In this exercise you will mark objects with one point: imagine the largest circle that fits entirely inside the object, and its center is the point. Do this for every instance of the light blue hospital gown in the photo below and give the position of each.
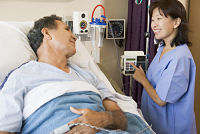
(173, 78)
(33, 74)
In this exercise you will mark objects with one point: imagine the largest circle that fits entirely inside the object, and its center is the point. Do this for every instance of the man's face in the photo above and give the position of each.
(63, 40)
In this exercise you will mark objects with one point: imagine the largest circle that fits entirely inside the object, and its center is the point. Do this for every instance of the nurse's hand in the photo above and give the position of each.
(139, 74)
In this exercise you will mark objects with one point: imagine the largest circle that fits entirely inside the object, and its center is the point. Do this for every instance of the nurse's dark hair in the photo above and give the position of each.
(35, 35)
(173, 9)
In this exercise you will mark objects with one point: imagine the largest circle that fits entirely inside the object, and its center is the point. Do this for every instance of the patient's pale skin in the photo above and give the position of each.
(57, 46)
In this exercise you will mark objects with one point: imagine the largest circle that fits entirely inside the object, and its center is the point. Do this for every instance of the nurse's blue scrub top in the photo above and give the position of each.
(173, 78)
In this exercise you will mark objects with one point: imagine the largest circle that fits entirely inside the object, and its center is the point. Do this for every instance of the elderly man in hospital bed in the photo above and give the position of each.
(52, 94)
(54, 43)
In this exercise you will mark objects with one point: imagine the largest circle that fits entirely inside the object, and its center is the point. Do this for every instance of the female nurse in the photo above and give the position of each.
(168, 95)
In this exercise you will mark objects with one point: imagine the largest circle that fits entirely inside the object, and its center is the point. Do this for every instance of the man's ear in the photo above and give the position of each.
(177, 22)
(45, 32)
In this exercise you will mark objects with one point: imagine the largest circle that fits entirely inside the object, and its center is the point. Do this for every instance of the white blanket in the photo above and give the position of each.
(46, 92)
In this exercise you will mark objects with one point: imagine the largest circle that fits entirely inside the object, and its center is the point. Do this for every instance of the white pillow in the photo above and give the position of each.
(82, 56)
(15, 49)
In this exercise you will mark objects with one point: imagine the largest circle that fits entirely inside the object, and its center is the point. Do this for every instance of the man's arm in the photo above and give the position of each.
(117, 119)
(113, 118)
(11, 102)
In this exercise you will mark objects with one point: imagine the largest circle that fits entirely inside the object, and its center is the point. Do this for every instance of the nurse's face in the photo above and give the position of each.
(164, 28)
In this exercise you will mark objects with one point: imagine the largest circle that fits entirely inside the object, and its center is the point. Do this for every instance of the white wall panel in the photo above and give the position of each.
(23, 10)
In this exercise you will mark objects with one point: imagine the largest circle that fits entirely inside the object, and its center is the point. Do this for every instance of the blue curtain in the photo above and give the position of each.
(136, 41)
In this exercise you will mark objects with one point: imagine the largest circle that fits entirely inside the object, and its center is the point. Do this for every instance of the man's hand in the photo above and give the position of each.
(112, 118)
(98, 119)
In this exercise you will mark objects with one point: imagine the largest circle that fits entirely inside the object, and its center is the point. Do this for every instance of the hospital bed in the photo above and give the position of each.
(15, 50)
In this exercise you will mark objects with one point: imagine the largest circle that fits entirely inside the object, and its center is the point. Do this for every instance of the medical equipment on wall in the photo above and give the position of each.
(80, 22)
(97, 28)
(118, 29)
(93, 32)
(97, 31)
(136, 57)
(69, 21)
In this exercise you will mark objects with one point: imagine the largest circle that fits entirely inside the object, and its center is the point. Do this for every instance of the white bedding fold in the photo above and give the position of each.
(126, 103)
(46, 92)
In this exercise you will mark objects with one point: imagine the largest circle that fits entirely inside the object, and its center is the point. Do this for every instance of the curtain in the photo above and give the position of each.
(136, 41)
